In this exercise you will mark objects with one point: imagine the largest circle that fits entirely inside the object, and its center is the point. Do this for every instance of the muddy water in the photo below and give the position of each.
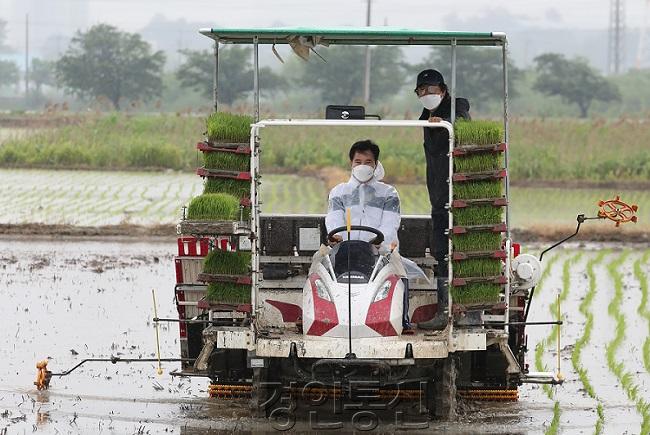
(66, 301)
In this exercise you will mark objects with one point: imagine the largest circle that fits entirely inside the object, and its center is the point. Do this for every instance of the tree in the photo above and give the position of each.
(9, 73)
(42, 73)
(106, 62)
(235, 73)
(340, 78)
(573, 80)
(479, 72)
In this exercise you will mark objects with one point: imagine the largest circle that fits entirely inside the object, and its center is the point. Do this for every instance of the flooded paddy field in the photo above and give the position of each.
(70, 299)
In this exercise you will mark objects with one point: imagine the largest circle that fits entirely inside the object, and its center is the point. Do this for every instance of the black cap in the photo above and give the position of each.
(429, 77)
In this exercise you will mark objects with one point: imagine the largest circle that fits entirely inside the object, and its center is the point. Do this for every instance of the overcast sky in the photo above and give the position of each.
(63, 16)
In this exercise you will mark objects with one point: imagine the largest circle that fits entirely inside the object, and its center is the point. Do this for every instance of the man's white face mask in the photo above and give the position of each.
(363, 173)
(431, 101)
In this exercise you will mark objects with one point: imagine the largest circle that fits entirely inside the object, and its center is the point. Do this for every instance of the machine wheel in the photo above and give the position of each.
(445, 402)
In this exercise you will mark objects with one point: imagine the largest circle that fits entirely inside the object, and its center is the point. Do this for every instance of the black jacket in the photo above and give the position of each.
(436, 140)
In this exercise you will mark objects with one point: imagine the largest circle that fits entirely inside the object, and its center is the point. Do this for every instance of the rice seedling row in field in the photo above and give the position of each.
(585, 309)
(643, 305)
(540, 347)
(617, 367)
(554, 427)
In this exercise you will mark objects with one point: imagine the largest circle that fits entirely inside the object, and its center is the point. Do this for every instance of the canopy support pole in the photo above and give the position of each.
(453, 81)
(215, 76)
(256, 77)
(505, 130)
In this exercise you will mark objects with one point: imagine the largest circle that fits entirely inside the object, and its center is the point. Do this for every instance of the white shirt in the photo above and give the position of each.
(373, 204)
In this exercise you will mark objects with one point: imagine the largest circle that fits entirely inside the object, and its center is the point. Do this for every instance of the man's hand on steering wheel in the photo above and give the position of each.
(335, 240)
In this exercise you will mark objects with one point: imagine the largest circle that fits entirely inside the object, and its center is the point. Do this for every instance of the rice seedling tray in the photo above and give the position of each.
(478, 176)
(226, 228)
(205, 304)
(495, 202)
(463, 150)
(218, 173)
(459, 256)
(498, 228)
(235, 279)
(498, 279)
(238, 147)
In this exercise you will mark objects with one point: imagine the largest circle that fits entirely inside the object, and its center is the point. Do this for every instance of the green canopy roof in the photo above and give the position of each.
(354, 36)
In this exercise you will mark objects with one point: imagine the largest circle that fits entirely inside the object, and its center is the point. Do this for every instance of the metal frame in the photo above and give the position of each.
(255, 175)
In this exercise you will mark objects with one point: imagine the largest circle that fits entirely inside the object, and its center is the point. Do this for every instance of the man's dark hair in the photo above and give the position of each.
(363, 146)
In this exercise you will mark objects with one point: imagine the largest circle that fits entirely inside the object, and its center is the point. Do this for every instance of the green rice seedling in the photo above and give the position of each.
(477, 267)
(585, 309)
(227, 262)
(213, 206)
(478, 132)
(476, 293)
(618, 368)
(228, 127)
(643, 305)
(478, 189)
(554, 427)
(479, 162)
(228, 293)
(478, 215)
(226, 161)
(237, 188)
(477, 241)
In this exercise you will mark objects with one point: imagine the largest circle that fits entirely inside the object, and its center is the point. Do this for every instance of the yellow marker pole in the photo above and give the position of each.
(155, 315)
(559, 374)
(348, 221)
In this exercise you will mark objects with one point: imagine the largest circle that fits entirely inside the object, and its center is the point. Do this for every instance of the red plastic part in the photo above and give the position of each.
(325, 316)
(193, 247)
(202, 146)
(234, 175)
(182, 326)
(290, 312)
(378, 317)
(516, 249)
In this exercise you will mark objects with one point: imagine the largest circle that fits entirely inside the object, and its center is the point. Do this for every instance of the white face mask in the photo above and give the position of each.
(431, 101)
(363, 173)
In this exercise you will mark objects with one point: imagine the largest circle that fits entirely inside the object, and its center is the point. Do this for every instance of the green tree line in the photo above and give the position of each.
(120, 67)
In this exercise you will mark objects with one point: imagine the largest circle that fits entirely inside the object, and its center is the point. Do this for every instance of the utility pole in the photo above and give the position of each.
(642, 51)
(616, 47)
(26, 57)
(366, 80)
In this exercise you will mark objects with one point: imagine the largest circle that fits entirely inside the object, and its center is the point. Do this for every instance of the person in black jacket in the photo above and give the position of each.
(432, 92)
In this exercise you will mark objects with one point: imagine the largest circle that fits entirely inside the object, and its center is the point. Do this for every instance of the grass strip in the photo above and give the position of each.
(643, 306)
(228, 127)
(478, 189)
(228, 293)
(478, 215)
(476, 293)
(478, 162)
(585, 309)
(226, 161)
(478, 132)
(237, 188)
(223, 262)
(477, 267)
(477, 241)
(625, 378)
(214, 206)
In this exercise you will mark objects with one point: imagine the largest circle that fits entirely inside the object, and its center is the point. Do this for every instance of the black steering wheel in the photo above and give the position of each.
(378, 240)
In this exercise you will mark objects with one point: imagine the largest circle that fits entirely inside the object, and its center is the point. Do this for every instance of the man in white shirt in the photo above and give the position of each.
(371, 202)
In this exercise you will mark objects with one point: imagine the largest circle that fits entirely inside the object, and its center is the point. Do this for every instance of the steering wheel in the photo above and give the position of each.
(379, 239)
